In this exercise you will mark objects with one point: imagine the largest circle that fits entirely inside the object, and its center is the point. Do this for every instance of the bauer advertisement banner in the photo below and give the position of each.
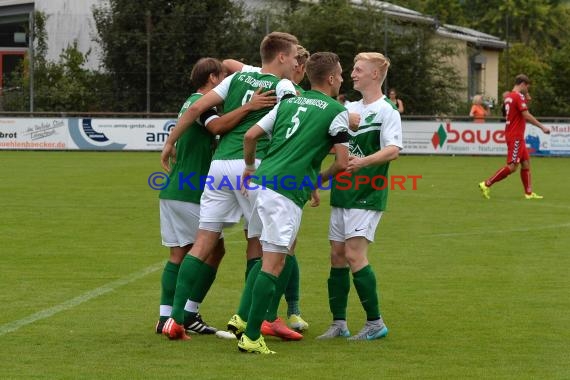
(419, 137)
(449, 137)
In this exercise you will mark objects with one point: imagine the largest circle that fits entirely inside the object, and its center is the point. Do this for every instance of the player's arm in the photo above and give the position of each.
(391, 140)
(250, 145)
(232, 66)
(340, 163)
(223, 124)
(387, 154)
(184, 122)
(338, 133)
(285, 89)
(531, 119)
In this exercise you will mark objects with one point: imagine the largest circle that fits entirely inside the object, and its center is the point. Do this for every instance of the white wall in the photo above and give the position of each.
(69, 20)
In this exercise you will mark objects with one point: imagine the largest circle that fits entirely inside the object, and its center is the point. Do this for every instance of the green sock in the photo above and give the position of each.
(190, 269)
(292, 289)
(250, 264)
(365, 284)
(339, 286)
(245, 300)
(263, 291)
(201, 287)
(168, 282)
(203, 283)
(280, 286)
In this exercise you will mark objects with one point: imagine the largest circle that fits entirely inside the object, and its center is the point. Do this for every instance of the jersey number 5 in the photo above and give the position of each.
(295, 120)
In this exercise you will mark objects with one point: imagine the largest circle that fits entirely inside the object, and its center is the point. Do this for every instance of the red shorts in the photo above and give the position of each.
(517, 152)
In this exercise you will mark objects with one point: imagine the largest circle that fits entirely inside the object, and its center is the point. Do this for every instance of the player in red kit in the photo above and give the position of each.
(517, 115)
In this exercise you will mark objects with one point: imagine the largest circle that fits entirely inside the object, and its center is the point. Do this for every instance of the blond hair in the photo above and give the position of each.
(302, 55)
(381, 62)
(478, 99)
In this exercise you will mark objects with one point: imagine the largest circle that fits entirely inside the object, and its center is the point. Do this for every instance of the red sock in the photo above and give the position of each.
(525, 178)
(501, 174)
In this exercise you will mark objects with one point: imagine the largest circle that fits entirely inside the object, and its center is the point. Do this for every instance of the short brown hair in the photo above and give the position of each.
(521, 78)
(275, 43)
(320, 65)
(302, 55)
(202, 70)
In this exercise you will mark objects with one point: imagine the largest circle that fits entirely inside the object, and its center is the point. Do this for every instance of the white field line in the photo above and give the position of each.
(69, 304)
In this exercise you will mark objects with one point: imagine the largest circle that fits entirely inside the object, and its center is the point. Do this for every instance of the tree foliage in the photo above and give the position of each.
(179, 33)
(62, 86)
(537, 33)
(414, 59)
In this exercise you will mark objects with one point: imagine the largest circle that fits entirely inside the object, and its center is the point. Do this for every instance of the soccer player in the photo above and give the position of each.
(303, 54)
(180, 203)
(222, 203)
(357, 209)
(516, 114)
(273, 324)
(303, 130)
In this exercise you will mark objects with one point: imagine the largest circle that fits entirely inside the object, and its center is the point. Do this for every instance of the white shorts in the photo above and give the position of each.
(178, 222)
(346, 223)
(275, 219)
(222, 200)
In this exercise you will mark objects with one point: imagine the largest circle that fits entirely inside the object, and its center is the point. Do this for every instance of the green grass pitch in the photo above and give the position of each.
(470, 288)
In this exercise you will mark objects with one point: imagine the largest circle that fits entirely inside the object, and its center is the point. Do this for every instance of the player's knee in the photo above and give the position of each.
(356, 260)
(217, 255)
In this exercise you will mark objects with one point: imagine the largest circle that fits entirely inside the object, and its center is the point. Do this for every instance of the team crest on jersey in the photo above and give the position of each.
(369, 118)
(356, 151)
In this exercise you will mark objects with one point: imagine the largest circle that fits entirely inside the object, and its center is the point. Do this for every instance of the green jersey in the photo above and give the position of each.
(301, 131)
(380, 126)
(194, 150)
(236, 90)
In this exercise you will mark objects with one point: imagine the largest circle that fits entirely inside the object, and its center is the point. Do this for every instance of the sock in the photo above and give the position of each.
(250, 264)
(365, 284)
(245, 300)
(203, 283)
(292, 289)
(280, 286)
(525, 178)
(263, 292)
(339, 286)
(191, 307)
(190, 269)
(168, 287)
(201, 287)
(501, 174)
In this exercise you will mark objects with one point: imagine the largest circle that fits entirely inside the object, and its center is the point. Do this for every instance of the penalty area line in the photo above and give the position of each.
(69, 304)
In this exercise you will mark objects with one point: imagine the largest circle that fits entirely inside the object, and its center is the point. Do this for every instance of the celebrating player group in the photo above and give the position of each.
(273, 138)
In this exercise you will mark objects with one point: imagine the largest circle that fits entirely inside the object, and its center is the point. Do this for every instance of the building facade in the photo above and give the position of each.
(67, 21)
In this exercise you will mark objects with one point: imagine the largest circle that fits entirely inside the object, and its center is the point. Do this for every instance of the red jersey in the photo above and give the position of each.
(515, 105)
